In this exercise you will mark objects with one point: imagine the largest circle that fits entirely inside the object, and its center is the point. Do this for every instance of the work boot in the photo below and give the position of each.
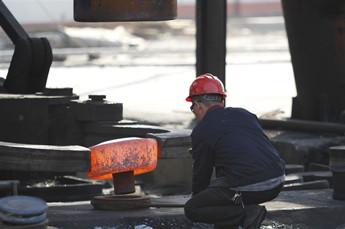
(254, 216)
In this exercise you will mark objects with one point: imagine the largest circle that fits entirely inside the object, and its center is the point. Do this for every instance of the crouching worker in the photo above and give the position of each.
(248, 169)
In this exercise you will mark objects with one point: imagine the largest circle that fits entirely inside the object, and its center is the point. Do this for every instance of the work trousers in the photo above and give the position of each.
(215, 205)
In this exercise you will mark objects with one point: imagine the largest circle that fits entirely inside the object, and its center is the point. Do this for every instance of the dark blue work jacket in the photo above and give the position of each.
(232, 141)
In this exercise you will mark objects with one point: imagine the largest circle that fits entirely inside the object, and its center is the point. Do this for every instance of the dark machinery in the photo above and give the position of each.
(315, 32)
(37, 122)
(316, 36)
(31, 60)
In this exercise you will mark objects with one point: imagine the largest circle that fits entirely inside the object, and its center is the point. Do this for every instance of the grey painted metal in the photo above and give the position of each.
(22, 206)
(211, 37)
(45, 158)
(173, 144)
(18, 220)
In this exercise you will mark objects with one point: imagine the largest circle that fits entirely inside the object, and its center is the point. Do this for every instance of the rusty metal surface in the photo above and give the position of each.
(124, 182)
(121, 155)
(124, 10)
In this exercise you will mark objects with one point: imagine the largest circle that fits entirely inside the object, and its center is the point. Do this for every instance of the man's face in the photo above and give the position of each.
(198, 109)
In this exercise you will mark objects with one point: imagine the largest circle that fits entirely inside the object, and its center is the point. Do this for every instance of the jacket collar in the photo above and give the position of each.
(213, 108)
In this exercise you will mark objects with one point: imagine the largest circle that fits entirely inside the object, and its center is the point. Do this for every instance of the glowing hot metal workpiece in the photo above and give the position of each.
(121, 159)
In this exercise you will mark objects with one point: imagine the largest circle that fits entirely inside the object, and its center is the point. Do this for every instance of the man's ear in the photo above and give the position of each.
(197, 106)
(201, 106)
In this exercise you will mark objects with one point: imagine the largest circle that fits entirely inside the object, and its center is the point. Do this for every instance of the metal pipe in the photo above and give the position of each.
(124, 182)
(303, 125)
(211, 37)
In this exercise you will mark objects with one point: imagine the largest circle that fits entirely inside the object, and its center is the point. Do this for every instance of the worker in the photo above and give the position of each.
(229, 141)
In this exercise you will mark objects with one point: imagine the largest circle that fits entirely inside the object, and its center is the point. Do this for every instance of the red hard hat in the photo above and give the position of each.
(206, 84)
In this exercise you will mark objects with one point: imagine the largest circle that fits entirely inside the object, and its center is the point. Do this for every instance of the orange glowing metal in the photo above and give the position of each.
(122, 155)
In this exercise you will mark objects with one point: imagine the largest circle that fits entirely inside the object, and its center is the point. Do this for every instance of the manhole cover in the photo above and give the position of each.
(22, 205)
(22, 210)
(20, 220)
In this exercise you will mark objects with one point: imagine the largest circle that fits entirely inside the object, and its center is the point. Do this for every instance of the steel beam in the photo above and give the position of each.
(316, 35)
(211, 37)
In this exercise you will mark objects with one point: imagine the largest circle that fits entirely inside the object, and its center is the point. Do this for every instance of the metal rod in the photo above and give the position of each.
(211, 37)
(303, 125)
(124, 182)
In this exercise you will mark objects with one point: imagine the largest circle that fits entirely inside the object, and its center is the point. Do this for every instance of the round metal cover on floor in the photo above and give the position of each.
(20, 220)
(22, 206)
(120, 202)
(41, 225)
